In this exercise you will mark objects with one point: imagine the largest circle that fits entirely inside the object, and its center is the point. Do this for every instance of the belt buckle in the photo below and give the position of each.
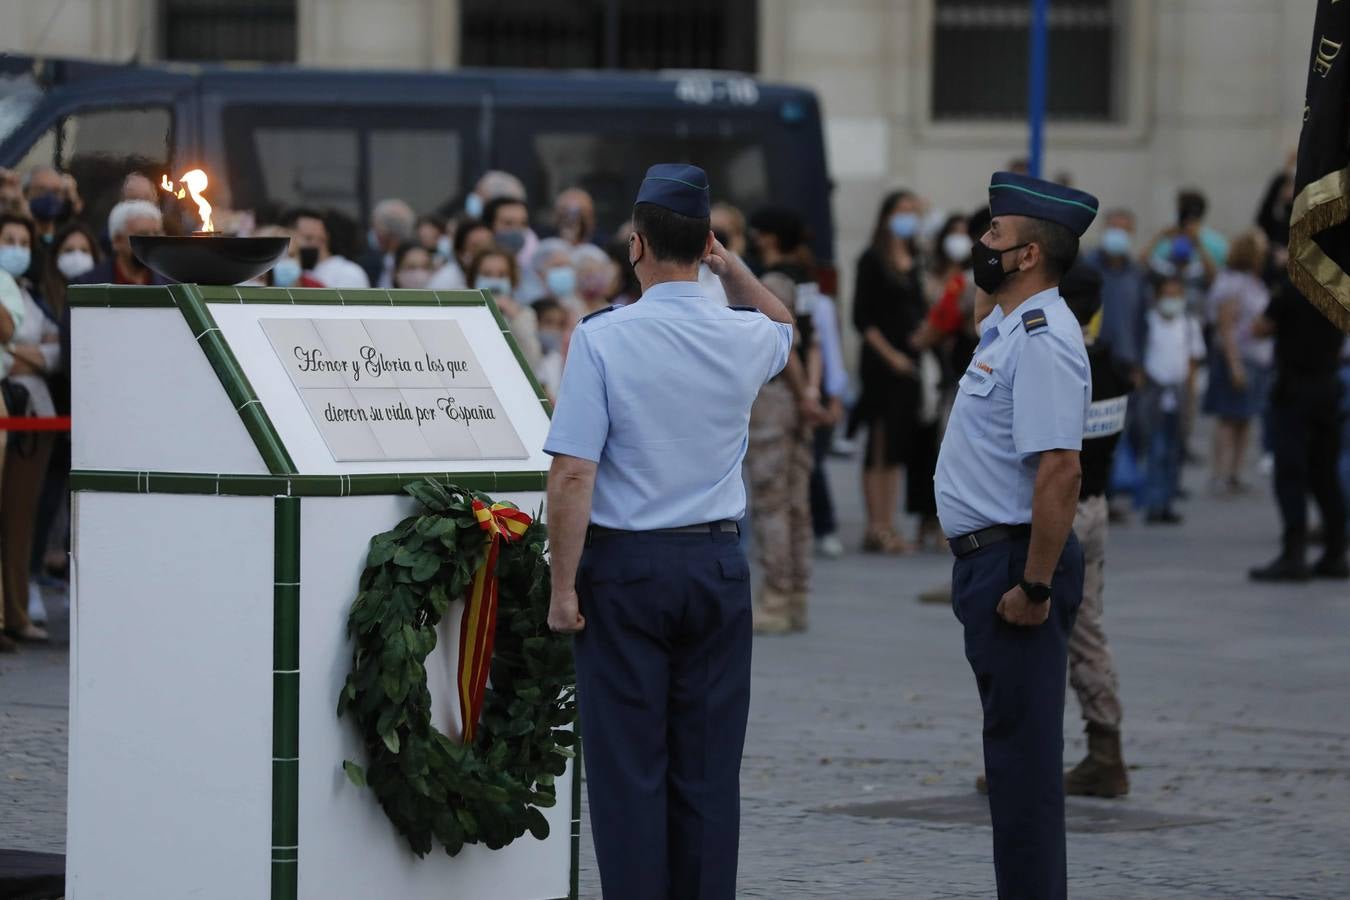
(974, 541)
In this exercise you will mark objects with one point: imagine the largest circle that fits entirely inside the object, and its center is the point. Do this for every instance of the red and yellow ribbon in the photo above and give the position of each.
(478, 629)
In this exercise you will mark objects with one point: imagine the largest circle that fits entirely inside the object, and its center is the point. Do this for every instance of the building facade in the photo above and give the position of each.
(1146, 96)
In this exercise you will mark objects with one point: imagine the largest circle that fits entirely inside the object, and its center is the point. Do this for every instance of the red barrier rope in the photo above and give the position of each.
(35, 423)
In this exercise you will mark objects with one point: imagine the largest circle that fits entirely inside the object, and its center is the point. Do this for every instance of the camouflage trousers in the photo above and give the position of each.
(778, 467)
(1091, 672)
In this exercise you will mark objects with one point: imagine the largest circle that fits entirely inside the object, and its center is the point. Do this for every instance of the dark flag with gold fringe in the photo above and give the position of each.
(1319, 233)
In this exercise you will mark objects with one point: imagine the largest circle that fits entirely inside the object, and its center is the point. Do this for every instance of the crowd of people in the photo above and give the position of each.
(1184, 315)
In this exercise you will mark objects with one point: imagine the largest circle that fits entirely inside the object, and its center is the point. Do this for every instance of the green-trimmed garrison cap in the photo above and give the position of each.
(678, 188)
(1020, 195)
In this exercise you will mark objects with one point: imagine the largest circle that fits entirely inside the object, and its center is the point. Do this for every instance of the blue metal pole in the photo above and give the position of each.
(1036, 79)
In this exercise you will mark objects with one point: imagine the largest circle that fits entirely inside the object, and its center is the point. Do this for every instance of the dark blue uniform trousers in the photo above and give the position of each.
(1020, 673)
(663, 686)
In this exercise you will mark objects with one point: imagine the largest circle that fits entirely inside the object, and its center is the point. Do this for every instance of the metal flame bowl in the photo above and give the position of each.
(209, 258)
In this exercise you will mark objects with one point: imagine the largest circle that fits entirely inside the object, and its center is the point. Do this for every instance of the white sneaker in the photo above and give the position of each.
(829, 546)
(843, 447)
(37, 609)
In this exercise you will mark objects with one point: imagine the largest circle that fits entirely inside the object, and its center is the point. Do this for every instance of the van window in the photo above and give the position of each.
(317, 167)
(42, 153)
(19, 96)
(421, 167)
(346, 159)
(611, 166)
(101, 147)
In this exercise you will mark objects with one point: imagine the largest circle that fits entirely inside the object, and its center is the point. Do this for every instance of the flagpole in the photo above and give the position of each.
(1036, 83)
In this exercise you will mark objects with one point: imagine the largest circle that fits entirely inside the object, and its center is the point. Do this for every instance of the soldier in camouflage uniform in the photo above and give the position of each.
(778, 468)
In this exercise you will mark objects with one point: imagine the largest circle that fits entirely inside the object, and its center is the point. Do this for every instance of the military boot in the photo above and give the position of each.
(796, 610)
(771, 613)
(1102, 771)
(1290, 565)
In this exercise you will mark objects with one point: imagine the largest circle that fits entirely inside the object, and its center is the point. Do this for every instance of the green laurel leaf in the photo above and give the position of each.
(435, 788)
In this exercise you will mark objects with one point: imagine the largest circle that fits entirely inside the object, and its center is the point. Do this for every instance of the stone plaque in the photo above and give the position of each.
(394, 389)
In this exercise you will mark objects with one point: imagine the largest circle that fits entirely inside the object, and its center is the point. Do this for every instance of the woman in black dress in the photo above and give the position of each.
(888, 306)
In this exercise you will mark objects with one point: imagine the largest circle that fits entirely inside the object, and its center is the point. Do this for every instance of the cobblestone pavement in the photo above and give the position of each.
(1235, 715)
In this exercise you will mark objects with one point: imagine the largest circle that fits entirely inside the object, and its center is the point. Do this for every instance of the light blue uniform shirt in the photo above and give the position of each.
(1024, 392)
(658, 393)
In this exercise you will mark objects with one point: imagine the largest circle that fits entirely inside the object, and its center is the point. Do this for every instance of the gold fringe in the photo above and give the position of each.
(1329, 188)
(1320, 296)
(1327, 288)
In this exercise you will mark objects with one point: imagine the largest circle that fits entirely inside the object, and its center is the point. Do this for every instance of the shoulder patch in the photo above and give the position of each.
(753, 309)
(599, 312)
(1033, 320)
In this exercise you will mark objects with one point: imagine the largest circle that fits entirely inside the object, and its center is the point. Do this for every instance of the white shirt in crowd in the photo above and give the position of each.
(448, 277)
(34, 328)
(825, 320)
(12, 299)
(341, 272)
(1173, 344)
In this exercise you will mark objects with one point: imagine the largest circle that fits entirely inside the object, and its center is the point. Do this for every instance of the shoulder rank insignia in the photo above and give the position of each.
(744, 308)
(1033, 320)
(598, 312)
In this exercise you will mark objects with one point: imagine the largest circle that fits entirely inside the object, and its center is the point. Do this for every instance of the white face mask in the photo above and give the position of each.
(957, 246)
(1171, 307)
(74, 263)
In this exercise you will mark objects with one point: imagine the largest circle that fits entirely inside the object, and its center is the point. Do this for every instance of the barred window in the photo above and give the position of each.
(613, 34)
(260, 30)
(980, 60)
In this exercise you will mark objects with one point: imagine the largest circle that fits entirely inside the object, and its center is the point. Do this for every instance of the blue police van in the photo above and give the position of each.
(285, 136)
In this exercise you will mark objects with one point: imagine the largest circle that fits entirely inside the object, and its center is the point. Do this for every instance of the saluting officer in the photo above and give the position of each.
(644, 495)
(1007, 489)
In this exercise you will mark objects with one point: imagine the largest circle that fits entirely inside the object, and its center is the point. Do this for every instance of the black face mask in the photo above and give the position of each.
(49, 207)
(988, 265)
(309, 258)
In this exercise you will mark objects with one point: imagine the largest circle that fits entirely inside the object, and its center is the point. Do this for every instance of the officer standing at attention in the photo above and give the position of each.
(1007, 489)
(644, 495)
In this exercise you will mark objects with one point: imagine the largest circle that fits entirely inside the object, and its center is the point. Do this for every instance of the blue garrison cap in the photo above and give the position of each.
(1020, 195)
(678, 188)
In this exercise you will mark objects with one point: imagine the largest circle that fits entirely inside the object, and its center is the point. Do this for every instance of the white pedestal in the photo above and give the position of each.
(206, 755)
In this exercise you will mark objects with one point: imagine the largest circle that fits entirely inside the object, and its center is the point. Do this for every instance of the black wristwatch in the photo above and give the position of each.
(1035, 591)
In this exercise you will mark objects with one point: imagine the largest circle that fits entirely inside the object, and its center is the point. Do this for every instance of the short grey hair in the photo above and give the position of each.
(127, 210)
(393, 217)
(547, 249)
(496, 183)
(589, 254)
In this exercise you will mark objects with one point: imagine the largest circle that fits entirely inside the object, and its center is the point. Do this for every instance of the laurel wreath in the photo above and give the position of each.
(430, 785)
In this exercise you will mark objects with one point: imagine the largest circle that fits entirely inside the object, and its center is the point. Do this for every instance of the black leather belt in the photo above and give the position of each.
(967, 544)
(722, 526)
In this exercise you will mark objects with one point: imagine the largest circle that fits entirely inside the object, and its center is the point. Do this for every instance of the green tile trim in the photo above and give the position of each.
(295, 485)
(285, 698)
(111, 482)
(576, 817)
(525, 367)
(119, 296)
(332, 297)
(231, 374)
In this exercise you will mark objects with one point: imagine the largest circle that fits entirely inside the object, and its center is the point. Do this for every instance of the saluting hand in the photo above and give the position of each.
(1017, 609)
(721, 260)
(564, 612)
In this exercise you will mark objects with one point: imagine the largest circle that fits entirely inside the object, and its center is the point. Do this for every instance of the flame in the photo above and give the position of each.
(195, 182)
